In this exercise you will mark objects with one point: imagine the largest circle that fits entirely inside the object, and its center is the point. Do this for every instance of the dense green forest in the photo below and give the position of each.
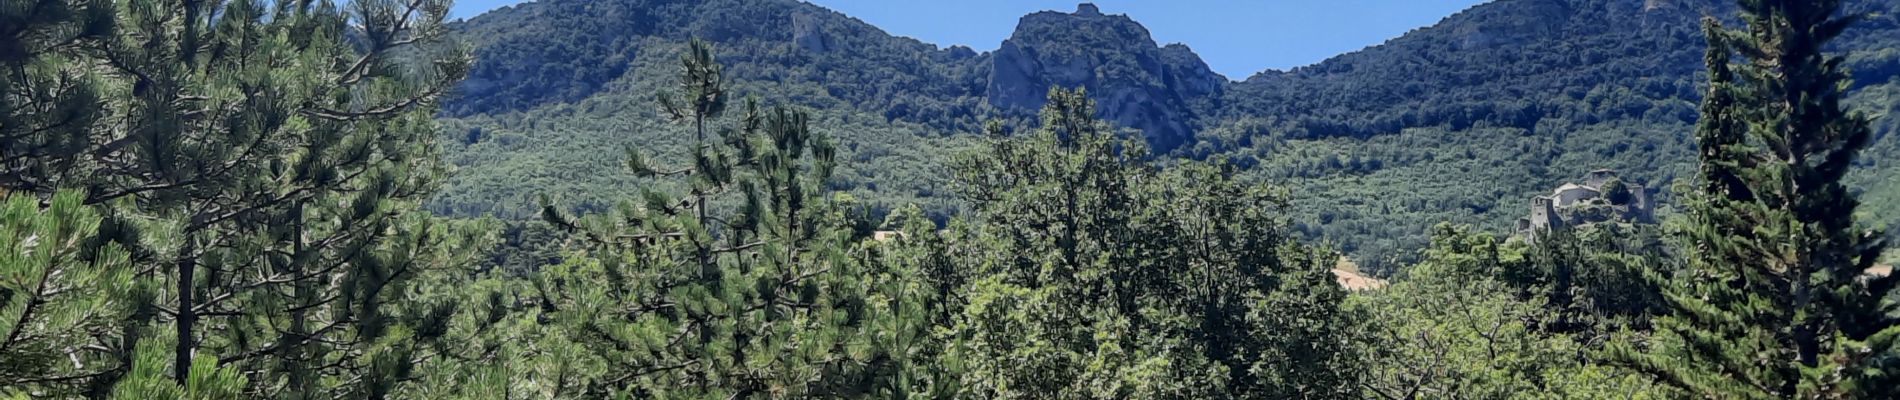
(1462, 121)
(297, 199)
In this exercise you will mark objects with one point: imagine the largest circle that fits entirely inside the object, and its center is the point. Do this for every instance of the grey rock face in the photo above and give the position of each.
(1188, 75)
(1087, 10)
(1136, 84)
(1512, 23)
(807, 33)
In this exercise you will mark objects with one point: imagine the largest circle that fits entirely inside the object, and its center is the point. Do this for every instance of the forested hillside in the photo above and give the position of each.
(561, 86)
(1464, 120)
(1468, 119)
(232, 199)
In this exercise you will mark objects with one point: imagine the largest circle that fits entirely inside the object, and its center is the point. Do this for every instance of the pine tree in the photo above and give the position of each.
(1774, 303)
(48, 96)
(150, 375)
(264, 160)
(750, 283)
(1096, 275)
(59, 288)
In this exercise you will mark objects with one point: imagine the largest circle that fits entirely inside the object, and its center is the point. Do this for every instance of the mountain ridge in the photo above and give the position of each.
(1509, 96)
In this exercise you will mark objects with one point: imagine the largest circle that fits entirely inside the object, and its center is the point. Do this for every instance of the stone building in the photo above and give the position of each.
(1585, 202)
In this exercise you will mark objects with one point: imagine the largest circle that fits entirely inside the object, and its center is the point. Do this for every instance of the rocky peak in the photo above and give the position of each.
(1134, 82)
(1087, 10)
(1189, 76)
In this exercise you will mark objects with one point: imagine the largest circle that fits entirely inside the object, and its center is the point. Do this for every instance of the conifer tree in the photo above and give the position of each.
(1773, 302)
(263, 160)
(59, 288)
(750, 283)
(1096, 275)
(150, 375)
(48, 96)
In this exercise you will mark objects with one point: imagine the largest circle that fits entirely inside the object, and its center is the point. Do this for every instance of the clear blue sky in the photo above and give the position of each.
(1237, 38)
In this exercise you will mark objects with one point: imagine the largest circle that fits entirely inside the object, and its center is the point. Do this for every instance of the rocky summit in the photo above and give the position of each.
(1158, 90)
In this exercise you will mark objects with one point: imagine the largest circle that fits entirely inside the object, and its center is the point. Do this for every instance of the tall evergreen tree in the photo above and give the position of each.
(262, 159)
(1774, 303)
(1096, 275)
(750, 283)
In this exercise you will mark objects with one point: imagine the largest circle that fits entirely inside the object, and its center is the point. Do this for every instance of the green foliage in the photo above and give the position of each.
(494, 347)
(224, 199)
(1451, 327)
(1463, 121)
(150, 376)
(559, 80)
(780, 293)
(539, 54)
(1875, 169)
(1096, 275)
(1617, 192)
(1593, 280)
(60, 287)
(262, 163)
(1774, 303)
(772, 297)
(1467, 120)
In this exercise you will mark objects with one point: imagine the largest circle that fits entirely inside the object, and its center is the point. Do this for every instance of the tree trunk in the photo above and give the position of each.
(187, 262)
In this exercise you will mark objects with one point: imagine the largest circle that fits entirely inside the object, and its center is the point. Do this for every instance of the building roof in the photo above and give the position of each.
(1355, 282)
(885, 236)
(1569, 187)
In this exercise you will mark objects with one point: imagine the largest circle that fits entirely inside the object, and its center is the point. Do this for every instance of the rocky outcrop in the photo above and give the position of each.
(1190, 77)
(807, 33)
(1136, 84)
(1088, 10)
(1512, 23)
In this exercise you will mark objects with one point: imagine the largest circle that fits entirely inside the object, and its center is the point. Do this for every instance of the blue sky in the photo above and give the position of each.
(1237, 38)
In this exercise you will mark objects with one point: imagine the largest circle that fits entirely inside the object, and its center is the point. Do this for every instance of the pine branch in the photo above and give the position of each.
(379, 112)
(56, 379)
(103, 197)
(735, 249)
(357, 69)
(273, 348)
(201, 221)
(649, 371)
(33, 302)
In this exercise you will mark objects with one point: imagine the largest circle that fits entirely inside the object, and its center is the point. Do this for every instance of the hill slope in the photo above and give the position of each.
(1461, 121)
(1466, 120)
(562, 85)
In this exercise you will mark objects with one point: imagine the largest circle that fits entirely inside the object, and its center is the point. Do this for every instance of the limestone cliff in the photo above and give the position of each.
(1161, 91)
